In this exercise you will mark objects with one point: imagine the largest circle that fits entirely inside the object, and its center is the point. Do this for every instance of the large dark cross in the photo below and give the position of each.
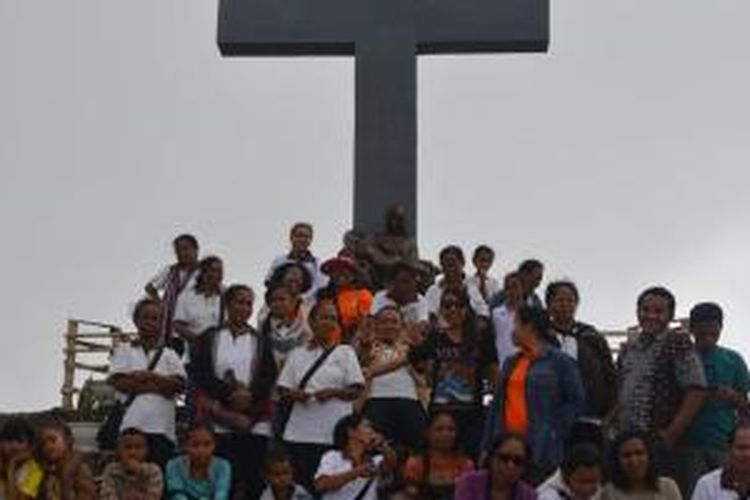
(385, 37)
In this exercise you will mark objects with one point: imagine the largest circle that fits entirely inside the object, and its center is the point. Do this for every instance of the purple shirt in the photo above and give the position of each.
(474, 485)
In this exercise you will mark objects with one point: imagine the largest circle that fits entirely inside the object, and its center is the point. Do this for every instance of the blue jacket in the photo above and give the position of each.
(554, 397)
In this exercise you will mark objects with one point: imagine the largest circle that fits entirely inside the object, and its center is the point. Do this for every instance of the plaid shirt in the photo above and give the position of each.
(654, 373)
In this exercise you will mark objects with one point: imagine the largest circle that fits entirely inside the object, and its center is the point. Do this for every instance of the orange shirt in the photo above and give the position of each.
(353, 305)
(516, 412)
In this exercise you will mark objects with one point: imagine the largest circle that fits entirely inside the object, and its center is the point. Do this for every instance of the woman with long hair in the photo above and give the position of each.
(433, 473)
(634, 473)
(459, 360)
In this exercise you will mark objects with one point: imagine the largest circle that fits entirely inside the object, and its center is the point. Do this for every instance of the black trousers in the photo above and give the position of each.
(305, 460)
(246, 453)
(160, 449)
(400, 420)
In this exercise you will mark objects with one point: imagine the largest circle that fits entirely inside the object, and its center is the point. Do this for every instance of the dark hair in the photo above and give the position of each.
(301, 225)
(706, 312)
(483, 249)
(343, 427)
(556, 286)
(742, 425)
(17, 429)
(234, 290)
(470, 339)
(277, 276)
(187, 238)
(315, 310)
(536, 317)
(505, 437)
(403, 267)
(661, 292)
(200, 425)
(141, 305)
(203, 267)
(432, 418)
(454, 250)
(58, 425)
(513, 275)
(129, 432)
(617, 476)
(580, 455)
(529, 265)
(273, 288)
(274, 456)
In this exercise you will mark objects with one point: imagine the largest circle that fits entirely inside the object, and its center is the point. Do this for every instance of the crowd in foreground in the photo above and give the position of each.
(369, 375)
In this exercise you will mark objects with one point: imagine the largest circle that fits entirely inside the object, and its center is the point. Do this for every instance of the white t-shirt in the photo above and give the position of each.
(709, 488)
(334, 462)
(413, 312)
(237, 354)
(197, 310)
(313, 421)
(395, 384)
(491, 284)
(151, 413)
(503, 323)
(435, 294)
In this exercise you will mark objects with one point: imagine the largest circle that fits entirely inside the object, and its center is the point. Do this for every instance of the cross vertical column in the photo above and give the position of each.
(385, 163)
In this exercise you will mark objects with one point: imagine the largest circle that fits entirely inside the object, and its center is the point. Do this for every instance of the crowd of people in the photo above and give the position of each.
(374, 374)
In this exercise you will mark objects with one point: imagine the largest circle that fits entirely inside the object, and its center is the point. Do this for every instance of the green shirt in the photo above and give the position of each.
(712, 427)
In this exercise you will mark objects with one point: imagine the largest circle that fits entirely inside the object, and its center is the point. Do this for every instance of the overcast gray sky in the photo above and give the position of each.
(620, 159)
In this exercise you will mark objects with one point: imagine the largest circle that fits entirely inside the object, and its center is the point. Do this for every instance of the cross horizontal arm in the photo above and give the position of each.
(301, 27)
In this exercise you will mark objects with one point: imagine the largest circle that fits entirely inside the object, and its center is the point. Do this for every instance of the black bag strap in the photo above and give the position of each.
(314, 367)
(364, 489)
(151, 365)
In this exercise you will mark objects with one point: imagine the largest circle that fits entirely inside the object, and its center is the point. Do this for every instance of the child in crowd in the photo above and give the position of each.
(130, 477)
(21, 473)
(279, 475)
(65, 475)
(198, 473)
(488, 286)
(433, 474)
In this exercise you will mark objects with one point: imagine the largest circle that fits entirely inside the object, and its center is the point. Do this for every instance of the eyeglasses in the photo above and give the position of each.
(517, 460)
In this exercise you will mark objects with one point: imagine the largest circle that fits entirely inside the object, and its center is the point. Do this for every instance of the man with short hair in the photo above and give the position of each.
(661, 381)
(579, 476)
(726, 401)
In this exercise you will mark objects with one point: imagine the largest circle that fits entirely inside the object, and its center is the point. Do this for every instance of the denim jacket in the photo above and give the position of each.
(554, 398)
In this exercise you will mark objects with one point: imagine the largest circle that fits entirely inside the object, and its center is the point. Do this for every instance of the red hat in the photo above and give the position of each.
(339, 263)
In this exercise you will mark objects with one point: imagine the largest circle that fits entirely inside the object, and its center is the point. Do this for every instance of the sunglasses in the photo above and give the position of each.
(517, 460)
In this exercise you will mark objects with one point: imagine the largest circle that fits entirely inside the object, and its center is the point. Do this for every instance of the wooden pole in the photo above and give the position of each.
(68, 387)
